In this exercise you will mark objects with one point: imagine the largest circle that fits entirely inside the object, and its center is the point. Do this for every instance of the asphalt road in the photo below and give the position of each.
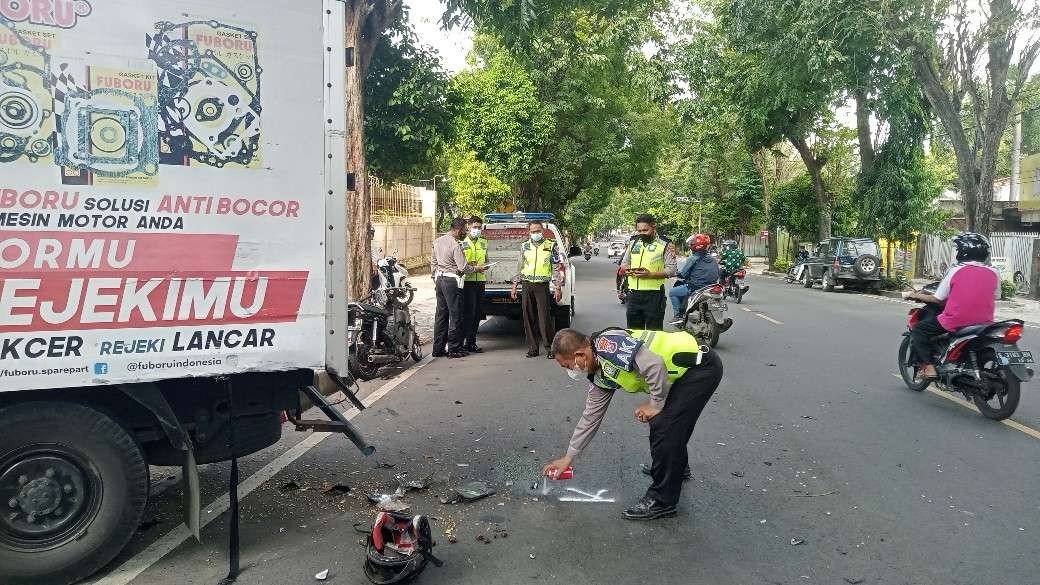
(813, 464)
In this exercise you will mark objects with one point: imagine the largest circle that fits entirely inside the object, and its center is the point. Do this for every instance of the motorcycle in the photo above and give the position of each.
(704, 314)
(982, 362)
(734, 286)
(380, 330)
(595, 251)
(588, 256)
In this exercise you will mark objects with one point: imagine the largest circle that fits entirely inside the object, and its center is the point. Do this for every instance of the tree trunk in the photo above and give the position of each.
(815, 168)
(760, 158)
(359, 205)
(866, 146)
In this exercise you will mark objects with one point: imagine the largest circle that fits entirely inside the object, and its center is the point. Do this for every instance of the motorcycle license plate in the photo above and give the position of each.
(1015, 357)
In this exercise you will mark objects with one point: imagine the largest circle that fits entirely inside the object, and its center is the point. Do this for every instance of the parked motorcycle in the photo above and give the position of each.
(380, 330)
(734, 286)
(704, 315)
(982, 362)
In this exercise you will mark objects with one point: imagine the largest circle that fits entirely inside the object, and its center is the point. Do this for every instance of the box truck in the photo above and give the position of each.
(172, 253)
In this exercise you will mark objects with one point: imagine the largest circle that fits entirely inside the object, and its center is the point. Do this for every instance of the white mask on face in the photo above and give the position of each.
(576, 372)
(474, 233)
(536, 237)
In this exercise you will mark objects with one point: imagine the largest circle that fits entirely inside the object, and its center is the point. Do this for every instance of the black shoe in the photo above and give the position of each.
(687, 476)
(473, 348)
(532, 354)
(439, 353)
(549, 355)
(456, 354)
(649, 509)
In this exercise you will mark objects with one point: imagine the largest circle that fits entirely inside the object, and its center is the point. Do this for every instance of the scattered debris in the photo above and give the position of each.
(531, 555)
(289, 486)
(384, 465)
(458, 402)
(853, 580)
(805, 416)
(721, 444)
(388, 502)
(452, 539)
(415, 484)
(762, 521)
(737, 473)
(771, 365)
(767, 463)
(797, 541)
(281, 530)
(462, 464)
(475, 490)
(322, 575)
(335, 489)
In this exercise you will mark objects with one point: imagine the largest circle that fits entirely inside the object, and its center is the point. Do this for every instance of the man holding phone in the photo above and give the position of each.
(648, 261)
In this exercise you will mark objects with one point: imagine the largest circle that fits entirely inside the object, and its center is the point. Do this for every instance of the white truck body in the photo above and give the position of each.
(172, 254)
(176, 224)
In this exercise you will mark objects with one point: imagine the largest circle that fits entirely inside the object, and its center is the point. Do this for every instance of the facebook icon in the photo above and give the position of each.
(100, 369)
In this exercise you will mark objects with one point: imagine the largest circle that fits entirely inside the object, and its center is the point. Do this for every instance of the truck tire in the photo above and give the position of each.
(867, 265)
(563, 317)
(83, 474)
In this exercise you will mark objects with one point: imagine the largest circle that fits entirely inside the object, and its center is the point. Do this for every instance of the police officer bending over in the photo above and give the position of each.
(679, 379)
(648, 261)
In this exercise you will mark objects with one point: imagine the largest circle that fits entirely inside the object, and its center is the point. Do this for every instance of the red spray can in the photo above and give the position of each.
(565, 474)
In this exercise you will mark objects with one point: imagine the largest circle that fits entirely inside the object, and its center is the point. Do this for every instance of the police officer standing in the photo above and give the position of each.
(538, 266)
(447, 267)
(474, 246)
(680, 378)
(648, 261)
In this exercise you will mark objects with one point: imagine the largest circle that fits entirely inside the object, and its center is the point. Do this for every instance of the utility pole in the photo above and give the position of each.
(1016, 160)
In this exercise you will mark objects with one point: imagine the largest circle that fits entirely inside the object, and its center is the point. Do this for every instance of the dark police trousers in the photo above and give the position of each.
(537, 315)
(472, 296)
(645, 309)
(447, 323)
(670, 430)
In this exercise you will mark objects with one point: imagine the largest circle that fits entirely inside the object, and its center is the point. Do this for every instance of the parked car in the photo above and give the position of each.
(616, 249)
(505, 232)
(854, 263)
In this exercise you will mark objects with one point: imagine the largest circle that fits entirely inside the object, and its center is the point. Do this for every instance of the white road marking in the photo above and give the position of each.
(1007, 422)
(770, 319)
(745, 309)
(139, 563)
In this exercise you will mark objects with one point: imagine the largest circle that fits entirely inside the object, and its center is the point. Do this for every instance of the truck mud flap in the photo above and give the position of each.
(149, 396)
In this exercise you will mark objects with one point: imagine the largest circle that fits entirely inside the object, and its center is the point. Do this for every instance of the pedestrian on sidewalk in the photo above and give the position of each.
(539, 265)
(648, 261)
(474, 246)
(680, 377)
(447, 267)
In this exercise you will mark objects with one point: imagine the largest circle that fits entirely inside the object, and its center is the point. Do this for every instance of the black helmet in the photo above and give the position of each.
(971, 247)
(399, 547)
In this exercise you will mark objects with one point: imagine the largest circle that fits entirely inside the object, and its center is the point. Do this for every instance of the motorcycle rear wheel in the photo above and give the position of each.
(1006, 401)
(909, 372)
(416, 351)
(357, 361)
(738, 293)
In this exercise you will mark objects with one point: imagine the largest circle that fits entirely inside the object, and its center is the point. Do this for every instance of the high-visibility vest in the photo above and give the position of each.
(537, 261)
(649, 256)
(664, 344)
(476, 253)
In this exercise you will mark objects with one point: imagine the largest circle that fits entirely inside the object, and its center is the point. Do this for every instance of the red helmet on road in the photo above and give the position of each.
(700, 242)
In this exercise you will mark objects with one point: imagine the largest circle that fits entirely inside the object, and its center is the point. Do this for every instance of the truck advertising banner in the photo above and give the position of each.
(162, 190)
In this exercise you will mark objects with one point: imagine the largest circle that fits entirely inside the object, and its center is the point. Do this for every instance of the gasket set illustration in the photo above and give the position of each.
(193, 101)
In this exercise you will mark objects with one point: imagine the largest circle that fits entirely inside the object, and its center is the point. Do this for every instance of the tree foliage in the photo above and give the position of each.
(409, 110)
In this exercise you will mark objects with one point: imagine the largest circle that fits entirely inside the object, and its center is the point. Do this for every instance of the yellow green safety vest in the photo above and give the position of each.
(651, 257)
(537, 261)
(664, 344)
(476, 253)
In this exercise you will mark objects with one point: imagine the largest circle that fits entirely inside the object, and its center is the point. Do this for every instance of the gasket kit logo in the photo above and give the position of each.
(59, 13)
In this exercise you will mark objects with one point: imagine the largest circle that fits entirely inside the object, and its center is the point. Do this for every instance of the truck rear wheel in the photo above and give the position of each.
(73, 486)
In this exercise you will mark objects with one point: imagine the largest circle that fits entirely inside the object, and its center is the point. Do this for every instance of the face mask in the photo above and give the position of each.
(474, 233)
(576, 372)
(536, 237)
(646, 238)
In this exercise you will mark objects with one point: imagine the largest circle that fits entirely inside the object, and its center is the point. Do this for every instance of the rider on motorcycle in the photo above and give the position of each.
(732, 260)
(969, 290)
(699, 271)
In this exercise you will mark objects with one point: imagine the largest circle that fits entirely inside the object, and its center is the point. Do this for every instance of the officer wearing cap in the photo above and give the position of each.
(648, 261)
(680, 378)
